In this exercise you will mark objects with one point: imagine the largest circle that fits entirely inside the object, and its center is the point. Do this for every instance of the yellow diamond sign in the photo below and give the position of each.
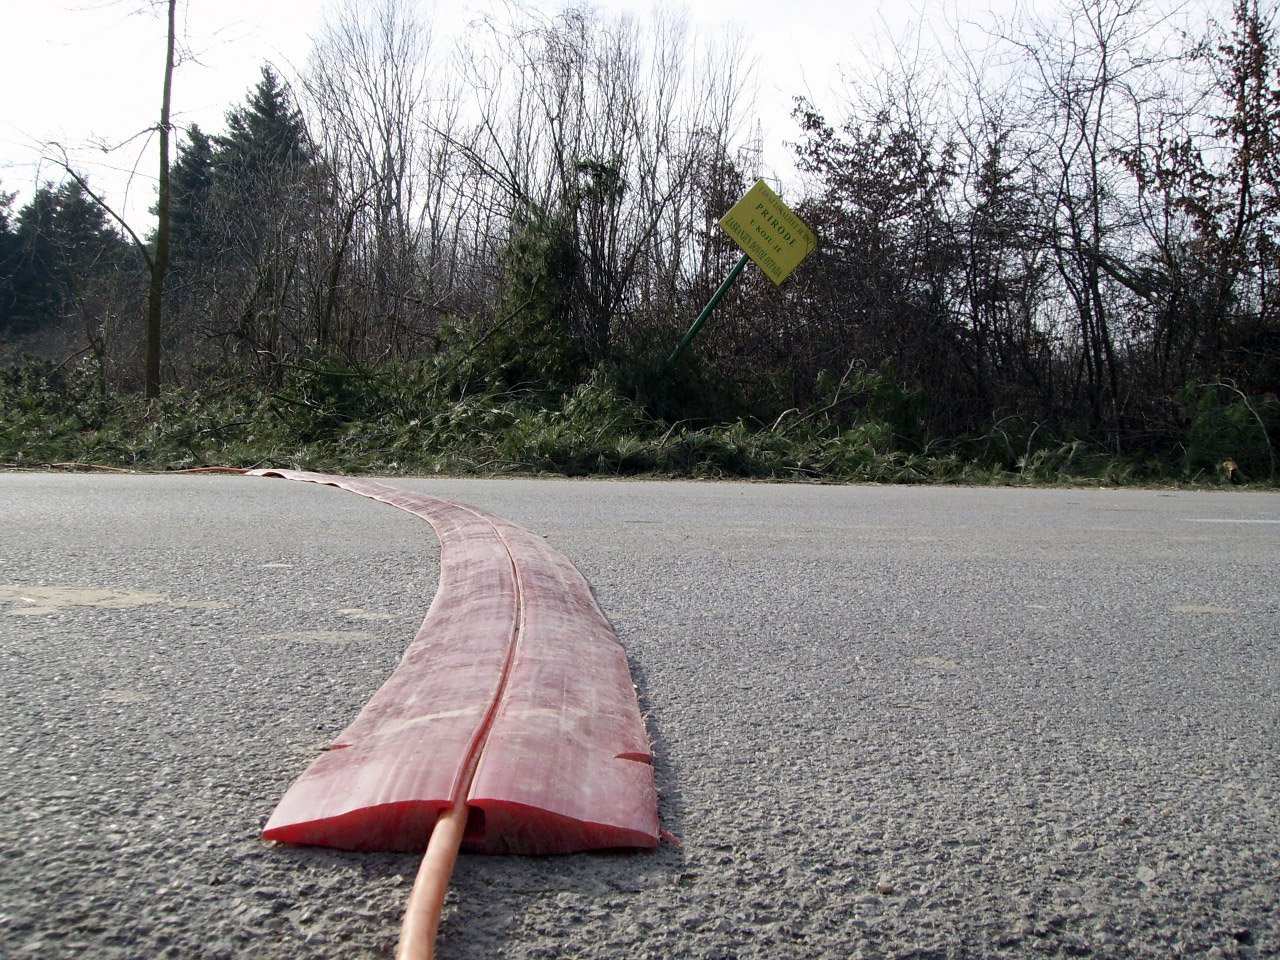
(769, 232)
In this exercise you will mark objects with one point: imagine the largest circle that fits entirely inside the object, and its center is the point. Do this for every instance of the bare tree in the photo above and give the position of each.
(368, 84)
(158, 261)
(156, 257)
(1089, 73)
(601, 127)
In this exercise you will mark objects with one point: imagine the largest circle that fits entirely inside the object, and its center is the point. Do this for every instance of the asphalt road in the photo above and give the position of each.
(891, 722)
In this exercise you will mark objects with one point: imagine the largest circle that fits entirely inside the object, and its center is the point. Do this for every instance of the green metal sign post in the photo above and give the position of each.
(769, 232)
(709, 308)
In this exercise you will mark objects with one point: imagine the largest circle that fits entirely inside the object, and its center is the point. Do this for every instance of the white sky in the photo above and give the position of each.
(81, 72)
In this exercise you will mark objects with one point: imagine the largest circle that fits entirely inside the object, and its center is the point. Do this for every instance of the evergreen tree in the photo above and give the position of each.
(38, 269)
(262, 193)
(194, 239)
(192, 200)
(8, 260)
(63, 240)
(264, 155)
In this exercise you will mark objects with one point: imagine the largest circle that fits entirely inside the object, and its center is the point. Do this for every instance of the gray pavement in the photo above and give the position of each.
(891, 722)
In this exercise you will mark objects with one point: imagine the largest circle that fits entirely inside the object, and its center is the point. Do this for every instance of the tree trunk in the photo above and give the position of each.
(160, 262)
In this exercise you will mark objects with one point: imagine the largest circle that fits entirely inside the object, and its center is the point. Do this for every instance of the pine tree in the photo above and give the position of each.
(262, 191)
(8, 260)
(63, 240)
(264, 155)
(192, 180)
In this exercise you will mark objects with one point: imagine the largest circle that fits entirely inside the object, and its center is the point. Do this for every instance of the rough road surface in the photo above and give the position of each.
(891, 722)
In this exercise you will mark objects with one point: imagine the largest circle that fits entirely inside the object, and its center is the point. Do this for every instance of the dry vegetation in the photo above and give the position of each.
(1054, 257)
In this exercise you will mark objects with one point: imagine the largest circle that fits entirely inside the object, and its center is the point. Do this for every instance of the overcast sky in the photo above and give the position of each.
(80, 72)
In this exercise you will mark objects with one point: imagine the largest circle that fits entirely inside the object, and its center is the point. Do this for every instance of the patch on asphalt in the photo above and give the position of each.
(41, 601)
(327, 638)
(356, 613)
(38, 601)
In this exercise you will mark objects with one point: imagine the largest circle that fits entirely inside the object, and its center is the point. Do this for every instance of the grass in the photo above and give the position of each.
(405, 420)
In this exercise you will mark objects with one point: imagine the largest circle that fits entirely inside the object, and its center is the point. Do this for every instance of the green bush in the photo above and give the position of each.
(1229, 433)
(421, 418)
